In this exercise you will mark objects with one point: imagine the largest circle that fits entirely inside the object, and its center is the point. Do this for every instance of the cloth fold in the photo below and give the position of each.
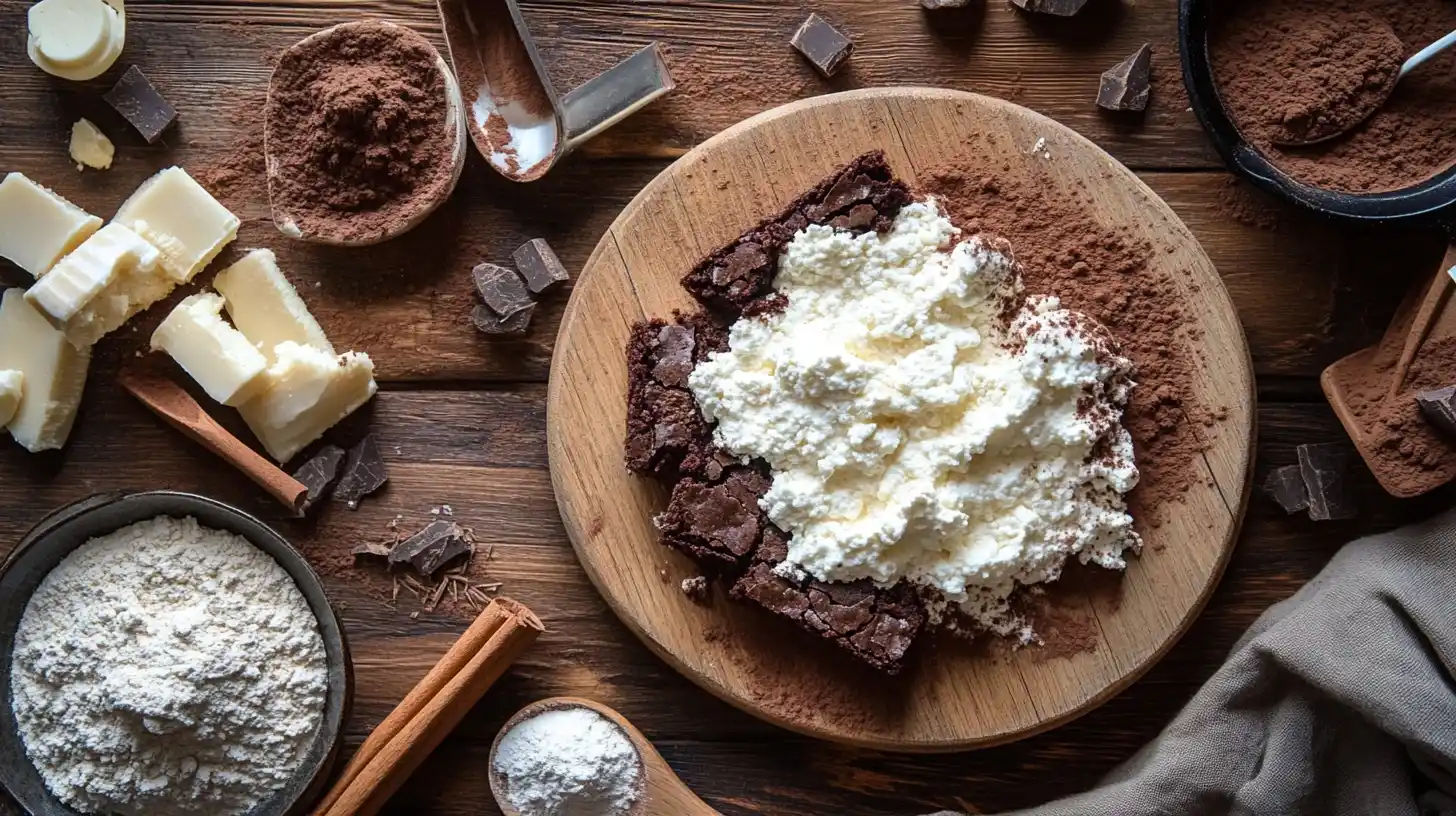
(1337, 702)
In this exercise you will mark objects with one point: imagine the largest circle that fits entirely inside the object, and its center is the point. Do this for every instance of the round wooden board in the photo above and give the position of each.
(950, 698)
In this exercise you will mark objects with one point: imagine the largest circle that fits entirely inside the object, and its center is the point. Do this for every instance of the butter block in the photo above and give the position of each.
(38, 227)
(309, 391)
(12, 387)
(89, 269)
(90, 147)
(54, 372)
(182, 219)
(266, 308)
(213, 353)
(75, 39)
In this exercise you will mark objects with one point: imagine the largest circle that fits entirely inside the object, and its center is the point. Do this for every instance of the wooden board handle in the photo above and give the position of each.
(169, 401)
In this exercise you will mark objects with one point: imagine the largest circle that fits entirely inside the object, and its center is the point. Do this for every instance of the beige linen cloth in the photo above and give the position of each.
(1337, 702)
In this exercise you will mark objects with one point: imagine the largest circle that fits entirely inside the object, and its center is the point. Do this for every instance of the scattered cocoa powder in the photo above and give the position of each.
(1102, 273)
(356, 124)
(1248, 206)
(1278, 63)
(1408, 453)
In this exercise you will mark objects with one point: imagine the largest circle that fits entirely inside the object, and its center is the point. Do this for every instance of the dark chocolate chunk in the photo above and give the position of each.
(489, 322)
(539, 265)
(822, 44)
(746, 259)
(502, 289)
(1325, 468)
(137, 100)
(936, 5)
(1285, 486)
(1127, 85)
(364, 473)
(1439, 408)
(318, 474)
(439, 543)
(1059, 8)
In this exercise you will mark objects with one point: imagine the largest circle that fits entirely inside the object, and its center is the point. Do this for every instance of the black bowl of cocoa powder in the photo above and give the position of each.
(1247, 63)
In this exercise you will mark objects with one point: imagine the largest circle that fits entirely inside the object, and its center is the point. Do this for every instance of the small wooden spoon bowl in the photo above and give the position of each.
(662, 794)
(454, 125)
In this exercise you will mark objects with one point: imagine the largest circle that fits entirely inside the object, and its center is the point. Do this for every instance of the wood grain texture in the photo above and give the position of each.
(949, 699)
(471, 431)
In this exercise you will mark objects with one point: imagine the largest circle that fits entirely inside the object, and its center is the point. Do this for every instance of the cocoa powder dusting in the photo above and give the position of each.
(1285, 68)
(357, 127)
(1104, 274)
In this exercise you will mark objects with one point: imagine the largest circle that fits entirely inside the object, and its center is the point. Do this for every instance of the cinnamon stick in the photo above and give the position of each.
(397, 747)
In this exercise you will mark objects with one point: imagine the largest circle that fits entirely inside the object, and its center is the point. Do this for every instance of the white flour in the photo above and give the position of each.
(166, 669)
(569, 762)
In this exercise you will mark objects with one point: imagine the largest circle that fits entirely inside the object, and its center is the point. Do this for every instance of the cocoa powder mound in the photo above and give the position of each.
(1104, 274)
(1411, 456)
(357, 127)
(1281, 64)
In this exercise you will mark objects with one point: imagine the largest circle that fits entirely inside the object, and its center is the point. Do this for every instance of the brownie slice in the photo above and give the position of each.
(718, 525)
(876, 625)
(738, 278)
(667, 436)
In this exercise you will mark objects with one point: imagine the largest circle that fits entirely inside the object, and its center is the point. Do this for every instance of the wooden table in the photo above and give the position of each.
(462, 419)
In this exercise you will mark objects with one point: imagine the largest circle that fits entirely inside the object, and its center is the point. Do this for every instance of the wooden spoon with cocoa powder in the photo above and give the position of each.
(1352, 92)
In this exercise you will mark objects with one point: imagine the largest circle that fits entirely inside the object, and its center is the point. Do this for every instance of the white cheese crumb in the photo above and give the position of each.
(912, 433)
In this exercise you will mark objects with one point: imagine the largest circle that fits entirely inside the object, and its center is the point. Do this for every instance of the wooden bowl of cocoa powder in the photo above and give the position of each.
(364, 134)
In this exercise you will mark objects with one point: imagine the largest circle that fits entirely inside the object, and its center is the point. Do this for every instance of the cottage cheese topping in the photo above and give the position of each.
(915, 433)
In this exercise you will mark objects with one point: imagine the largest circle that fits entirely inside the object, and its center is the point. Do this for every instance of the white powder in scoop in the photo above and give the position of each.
(167, 669)
(569, 762)
(914, 432)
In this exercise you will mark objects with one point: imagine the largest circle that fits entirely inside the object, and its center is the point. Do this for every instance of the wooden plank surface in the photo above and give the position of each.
(462, 419)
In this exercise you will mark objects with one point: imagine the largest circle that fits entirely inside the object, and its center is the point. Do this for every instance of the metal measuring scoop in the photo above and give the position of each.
(517, 119)
(1317, 129)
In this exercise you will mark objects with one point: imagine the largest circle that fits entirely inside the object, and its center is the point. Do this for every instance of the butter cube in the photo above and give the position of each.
(38, 227)
(183, 220)
(90, 147)
(266, 308)
(215, 354)
(89, 269)
(54, 372)
(309, 391)
(12, 385)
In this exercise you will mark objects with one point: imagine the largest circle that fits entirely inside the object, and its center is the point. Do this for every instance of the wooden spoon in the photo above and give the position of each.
(169, 401)
(663, 793)
(1337, 120)
(453, 123)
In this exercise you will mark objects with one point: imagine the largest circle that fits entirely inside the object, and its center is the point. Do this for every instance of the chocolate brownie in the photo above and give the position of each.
(738, 278)
(714, 515)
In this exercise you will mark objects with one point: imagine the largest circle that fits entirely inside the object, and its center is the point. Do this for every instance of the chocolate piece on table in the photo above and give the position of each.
(1439, 409)
(1128, 85)
(502, 289)
(137, 100)
(936, 5)
(822, 44)
(440, 542)
(318, 474)
(1285, 486)
(489, 322)
(1325, 468)
(364, 473)
(1058, 8)
(539, 265)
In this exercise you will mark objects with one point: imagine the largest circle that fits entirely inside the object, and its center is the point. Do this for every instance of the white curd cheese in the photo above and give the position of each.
(915, 430)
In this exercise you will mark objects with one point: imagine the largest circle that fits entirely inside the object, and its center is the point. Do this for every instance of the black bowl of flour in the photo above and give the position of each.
(1429, 199)
(59, 534)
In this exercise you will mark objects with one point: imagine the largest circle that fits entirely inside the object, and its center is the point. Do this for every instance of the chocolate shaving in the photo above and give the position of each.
(364, 473)
(1128, 85)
